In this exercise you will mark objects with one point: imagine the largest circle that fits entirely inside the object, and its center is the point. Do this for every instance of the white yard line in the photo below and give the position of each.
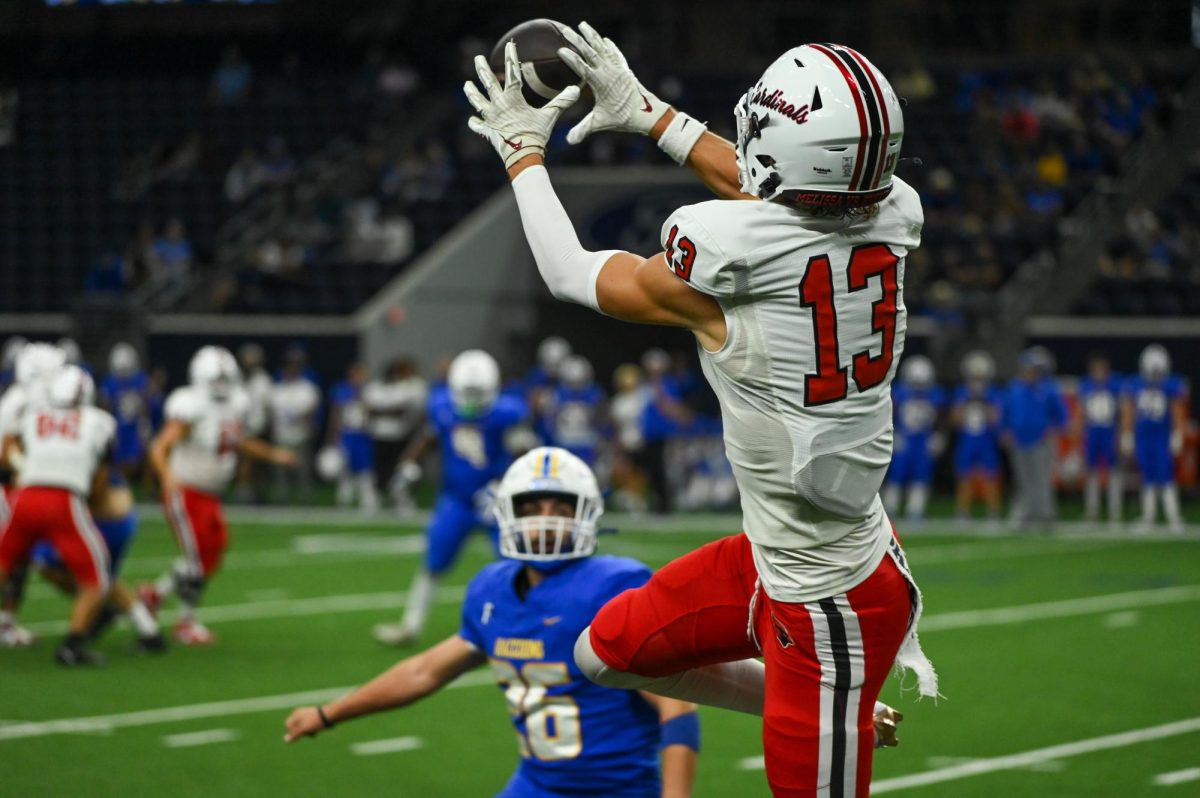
(1176, 777)
(1036, 756)
(192, 739)
(971, 619)
(214, 709)
(391, 746)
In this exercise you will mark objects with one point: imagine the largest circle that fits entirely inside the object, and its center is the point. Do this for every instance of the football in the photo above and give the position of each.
(538, 41)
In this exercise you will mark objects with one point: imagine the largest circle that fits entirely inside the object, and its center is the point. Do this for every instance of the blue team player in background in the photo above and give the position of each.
(522, 616)
(975, 417)
(473, 425)
(348, 432)
(1033, 414)
(124, 392)
(917, 402)
(1100, 405)
(574, 412)
(1154, 413)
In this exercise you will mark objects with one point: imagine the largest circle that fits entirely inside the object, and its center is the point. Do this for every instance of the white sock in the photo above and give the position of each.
(142, 620)
(345, 490)
(1115, 496)
(165, 585)
(420, 599)
(368, 496)
(1170, 500)
(891, 498)
(1091, 496)
(1149, 509)
(918, 495)
(7, 618)
(739, 686)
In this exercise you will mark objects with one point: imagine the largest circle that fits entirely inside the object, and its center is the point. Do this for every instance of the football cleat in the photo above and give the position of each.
(193, 633)
(13, 635)
(71, 657)
(149, 595)
(886, 721)
(395, 634)
(152, 644)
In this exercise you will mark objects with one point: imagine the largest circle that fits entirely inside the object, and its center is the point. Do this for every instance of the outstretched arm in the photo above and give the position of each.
(680, 746)
(405, 682)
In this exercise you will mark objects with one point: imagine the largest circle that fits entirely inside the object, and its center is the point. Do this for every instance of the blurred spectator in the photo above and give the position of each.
(276, 165)
(8, 359)
(244, 176)
(664, 418)
(232, 80)
(629, 401)
(396, 412)
(372, 238)
(173, 252)
(110, 274)
(1033, 413)
(294, 403)
(348, 431)
(251, 484)
(575, 414)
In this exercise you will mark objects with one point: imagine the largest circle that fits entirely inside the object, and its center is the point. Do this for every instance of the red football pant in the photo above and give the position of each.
(199, 526)
(825, 660)
(59, 516)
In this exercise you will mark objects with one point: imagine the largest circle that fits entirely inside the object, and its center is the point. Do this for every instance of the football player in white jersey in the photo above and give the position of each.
(66, 444)
(791, 285)
(195, 457)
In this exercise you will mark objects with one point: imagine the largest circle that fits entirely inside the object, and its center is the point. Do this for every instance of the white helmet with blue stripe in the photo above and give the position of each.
(548, 473)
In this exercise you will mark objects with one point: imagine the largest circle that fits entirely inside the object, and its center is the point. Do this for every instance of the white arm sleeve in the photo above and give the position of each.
(569, 270)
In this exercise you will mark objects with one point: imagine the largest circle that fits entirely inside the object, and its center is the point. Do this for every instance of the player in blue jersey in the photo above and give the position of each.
(472, 423)
(348, 431)
(1154, 413)
(124, 393)
(521, 616)
(575, 410)
(539, 384)
(1100, 405)
(975, 416)
(917, 402)
(1033, 413)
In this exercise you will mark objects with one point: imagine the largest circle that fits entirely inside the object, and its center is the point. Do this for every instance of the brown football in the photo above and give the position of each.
(545, 74)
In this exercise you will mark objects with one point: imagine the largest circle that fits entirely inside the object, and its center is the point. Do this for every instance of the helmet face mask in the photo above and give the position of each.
(547, 507)
(474, 382)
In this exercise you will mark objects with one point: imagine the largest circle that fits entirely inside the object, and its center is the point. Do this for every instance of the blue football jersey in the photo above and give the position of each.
(348, 397)
(473, 450)
(127, 398)
(575, 419)
(1099, 401)
(1152, 403)
(916, 410)
(575, 737)
(979, 410)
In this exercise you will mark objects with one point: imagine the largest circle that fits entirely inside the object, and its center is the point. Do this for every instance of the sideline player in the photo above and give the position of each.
(793, 294)
(975, 417)
(471, 421)
(917, 401)
(348, 432)
(576, 409)
(66, 444)
(521, 616)
(1153, 418)
(195, 457)
(124, 394)
(1100, 406)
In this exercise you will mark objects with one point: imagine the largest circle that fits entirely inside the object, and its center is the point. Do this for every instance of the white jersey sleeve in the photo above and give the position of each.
(690, 238)
(184, 404)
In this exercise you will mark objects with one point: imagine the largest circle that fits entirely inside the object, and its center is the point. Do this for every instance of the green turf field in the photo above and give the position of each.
(1067, 664)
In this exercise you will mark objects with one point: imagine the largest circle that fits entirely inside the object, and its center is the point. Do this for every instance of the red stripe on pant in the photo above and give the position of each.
(826, 660)
(199, 526)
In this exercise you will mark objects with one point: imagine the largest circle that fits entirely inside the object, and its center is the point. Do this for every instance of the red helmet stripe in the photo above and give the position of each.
(858, 104)
(883, 112)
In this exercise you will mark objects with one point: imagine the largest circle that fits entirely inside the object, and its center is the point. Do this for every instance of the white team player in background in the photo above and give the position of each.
(195, 456)
(792, 290)
(66, 444)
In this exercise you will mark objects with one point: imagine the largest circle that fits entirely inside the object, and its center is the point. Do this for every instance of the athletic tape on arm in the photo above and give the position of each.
(569, 270)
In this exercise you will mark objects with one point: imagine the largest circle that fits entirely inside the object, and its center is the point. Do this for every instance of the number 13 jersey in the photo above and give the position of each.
(816, 323)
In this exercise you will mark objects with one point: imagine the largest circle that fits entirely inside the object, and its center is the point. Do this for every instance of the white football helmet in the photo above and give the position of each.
(576, 372)
(37, 363)
(821, 128)
(552, 352)
(70, 387)
(331, 463)
(917, 371)
(474, 381)
(123, 360)
(70, 348)
(978, 366)
(1155, 362)
(548, 472)
(214, 371)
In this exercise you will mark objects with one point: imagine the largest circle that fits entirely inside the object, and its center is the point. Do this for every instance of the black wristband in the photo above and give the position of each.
(325, 721)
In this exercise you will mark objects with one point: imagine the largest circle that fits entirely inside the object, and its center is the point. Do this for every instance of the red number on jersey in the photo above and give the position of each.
(687, 253)
(829, 383)
(65, 426)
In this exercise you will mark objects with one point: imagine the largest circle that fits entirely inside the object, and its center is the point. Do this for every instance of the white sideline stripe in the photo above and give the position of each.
(214, 709)
(752, 763)
(1176, 777)
(387, 746)
(287, 608)
(1060, 609)
(1036, 756)
(191, 739)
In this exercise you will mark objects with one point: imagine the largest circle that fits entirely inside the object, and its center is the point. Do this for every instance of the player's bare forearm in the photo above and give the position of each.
(11, 455)
(678, 764)
(712, 158)
(408, 680)
(261, 450)
(533, 159)
(160, 447)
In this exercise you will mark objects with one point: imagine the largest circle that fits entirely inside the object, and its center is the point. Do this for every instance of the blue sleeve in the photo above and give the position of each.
(1175, 387)
(938, 397)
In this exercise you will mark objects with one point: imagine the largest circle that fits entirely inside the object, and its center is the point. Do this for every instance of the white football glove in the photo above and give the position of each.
(505, 119)
(622, 103)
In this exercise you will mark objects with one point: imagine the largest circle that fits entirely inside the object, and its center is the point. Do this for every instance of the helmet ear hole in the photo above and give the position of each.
(765, 160)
